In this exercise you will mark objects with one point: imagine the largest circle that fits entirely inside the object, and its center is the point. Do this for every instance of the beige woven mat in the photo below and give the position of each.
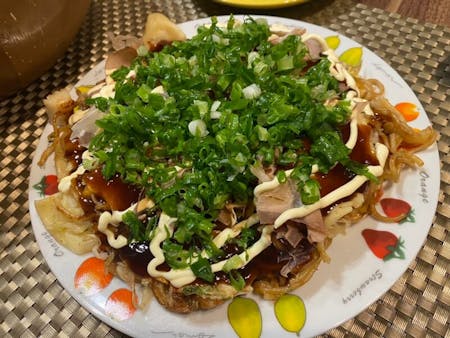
(33, 303)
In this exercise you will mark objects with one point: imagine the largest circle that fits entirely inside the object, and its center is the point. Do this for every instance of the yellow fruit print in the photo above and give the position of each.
(84, 89)
(333, 41)
(352, 56)
(290, 312)
(245, 317)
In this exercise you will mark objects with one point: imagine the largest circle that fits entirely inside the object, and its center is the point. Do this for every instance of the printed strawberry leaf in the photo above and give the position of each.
(40, 187)
(410, 218)
(396, 251)
(48, 185)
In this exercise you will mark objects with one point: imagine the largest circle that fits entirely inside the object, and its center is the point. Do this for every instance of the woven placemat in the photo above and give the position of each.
(33, 303)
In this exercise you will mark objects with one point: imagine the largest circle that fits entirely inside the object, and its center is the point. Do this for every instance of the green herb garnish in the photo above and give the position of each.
(201, 112)
(236, 280)
(202, 269)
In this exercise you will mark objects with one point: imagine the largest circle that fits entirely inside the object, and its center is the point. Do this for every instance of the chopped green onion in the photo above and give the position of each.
(202, 269)
(281, 176)
(251, 92)
(310, 191)
(233, 263)
(236, 280)
(285, 63)
(195, 117)
(142, 50)
(198, 128)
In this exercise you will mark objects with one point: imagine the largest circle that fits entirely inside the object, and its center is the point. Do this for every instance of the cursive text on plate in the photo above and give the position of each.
(57, 252)
(359, 290)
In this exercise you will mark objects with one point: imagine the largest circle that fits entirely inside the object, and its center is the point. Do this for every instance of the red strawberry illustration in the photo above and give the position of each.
(384, 244)
(394, 207)
(48, 185)
(51, 184)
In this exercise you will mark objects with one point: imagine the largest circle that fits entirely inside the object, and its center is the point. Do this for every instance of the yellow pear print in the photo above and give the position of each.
(290, 312)
(352, 56)
(245, 317)
(333, 41)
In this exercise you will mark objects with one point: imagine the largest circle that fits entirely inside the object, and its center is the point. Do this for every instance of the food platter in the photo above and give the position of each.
(356, 276)
(261, 3)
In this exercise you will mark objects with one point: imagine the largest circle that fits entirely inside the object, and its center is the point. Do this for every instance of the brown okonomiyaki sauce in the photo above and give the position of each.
(363, 152)
(269, 263)
(137, 255)
(73, 152)
(114, 193)
(119, 196)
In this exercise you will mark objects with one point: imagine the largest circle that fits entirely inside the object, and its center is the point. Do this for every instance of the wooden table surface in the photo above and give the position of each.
(434, 11)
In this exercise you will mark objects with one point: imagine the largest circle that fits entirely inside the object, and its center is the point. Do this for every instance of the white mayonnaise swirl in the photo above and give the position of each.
(166, 224)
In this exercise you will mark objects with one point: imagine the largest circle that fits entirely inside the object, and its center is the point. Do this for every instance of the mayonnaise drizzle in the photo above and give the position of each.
(66, 182)
(319, 39)
(228, 233)
(337, 69)
(165, 228)
(341, 192)
(181, 277)
(246, 256)
(166, 224)
(353, 137)
(107, 91)
(114, 218)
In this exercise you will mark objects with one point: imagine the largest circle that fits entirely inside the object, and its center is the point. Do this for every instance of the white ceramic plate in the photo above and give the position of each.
(338, 291)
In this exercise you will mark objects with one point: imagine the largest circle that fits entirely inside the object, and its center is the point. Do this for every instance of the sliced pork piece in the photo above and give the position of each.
(85, 128)
(343, 86)
(271, 203)
(279, 35)
(293, 246)
(315, 226)
(314, 48)
(291, 233)
(264, 174)
(122, 57)
(295, 258)
(230, 213)
(293, 230)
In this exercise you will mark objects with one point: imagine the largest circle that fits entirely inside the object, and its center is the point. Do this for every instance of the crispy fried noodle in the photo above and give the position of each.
(204, 168)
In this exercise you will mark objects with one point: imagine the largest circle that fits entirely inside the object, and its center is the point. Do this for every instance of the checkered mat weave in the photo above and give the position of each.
(33, 303)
